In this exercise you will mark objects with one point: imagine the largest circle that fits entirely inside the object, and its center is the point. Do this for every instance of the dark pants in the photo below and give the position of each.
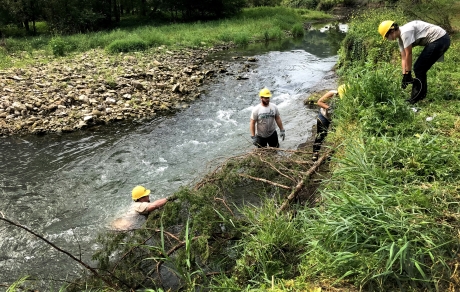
(272, 141)
(430, 54)
(322, 125)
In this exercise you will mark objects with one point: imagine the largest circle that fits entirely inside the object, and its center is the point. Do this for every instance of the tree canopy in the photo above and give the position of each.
(72, 16)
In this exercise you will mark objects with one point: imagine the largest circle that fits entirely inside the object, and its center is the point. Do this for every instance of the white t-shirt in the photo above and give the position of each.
(265, 119)
(418, 33)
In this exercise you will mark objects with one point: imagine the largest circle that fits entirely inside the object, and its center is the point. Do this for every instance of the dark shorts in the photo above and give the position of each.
(271, 141)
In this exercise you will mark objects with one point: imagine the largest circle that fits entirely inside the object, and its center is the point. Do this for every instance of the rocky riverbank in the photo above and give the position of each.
(94, 88)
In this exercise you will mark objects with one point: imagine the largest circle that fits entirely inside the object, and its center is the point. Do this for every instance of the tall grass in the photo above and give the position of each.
(378, 228)
(383, 222)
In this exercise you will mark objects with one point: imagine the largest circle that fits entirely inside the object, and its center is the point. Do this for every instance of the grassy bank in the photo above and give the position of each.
(255, 24)
(391, 206)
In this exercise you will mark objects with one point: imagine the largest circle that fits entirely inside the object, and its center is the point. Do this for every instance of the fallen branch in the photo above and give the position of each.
(276, 169)
(292, 195)
(285, 150)
(225, 204)
(265, 181)
(168, 253)
(142, 244)
(219, 167)
(300, 185)
(95, 273)
(128, 252)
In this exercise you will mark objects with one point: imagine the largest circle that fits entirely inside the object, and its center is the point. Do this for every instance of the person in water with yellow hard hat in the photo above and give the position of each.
(264, 118)
(416, 33)
(140, 206)
(323, 120)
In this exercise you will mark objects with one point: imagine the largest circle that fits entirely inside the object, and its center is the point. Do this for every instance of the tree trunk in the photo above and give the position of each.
(26, 25)
(116, 11)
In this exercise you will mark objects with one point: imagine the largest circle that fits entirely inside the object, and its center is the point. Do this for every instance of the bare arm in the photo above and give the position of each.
(406, 59)
(325, 98)
(252, 127)
(156, 204)
(278, 122)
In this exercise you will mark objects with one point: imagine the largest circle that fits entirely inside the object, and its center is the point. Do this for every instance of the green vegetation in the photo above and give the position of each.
(73, 16)
(386, 218)
(255, 24)
(395, 173)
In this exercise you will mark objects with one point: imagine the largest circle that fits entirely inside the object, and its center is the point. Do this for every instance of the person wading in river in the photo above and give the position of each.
(416, 33)
(323, 120)
(264, 117)
(140, 206)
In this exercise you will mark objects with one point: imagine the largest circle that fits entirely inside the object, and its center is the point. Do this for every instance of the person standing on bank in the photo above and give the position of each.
(324, 117)
(416, 33)
(264, 117)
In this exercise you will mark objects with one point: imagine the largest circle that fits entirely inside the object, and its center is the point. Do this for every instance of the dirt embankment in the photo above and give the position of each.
(93, 88)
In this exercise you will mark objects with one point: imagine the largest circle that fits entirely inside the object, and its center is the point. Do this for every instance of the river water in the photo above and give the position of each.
(69, 187)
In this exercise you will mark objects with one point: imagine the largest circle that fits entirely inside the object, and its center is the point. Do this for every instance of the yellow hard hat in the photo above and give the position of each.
(139, 192)
(265, 93)
(341, 90)
(384, 27)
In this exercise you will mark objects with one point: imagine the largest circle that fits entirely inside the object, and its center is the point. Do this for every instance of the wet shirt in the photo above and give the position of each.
(265, 119)
(323, 111)
(132, 219)
(419, 33)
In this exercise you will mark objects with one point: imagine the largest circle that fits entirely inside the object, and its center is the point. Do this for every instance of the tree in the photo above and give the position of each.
(71, 16)
(23, 12)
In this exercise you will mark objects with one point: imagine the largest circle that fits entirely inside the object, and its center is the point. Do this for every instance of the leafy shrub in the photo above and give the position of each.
(242, 39)
(326, 5)
(275, 33)
(376, 102)
(123, 46)
(439, 12)
(58, 46)
(364, 44)
(297, 30)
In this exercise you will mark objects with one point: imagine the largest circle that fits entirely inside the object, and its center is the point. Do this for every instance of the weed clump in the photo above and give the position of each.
(125, 46)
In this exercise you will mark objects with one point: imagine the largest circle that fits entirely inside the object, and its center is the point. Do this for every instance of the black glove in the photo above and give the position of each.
(407, 79)
(255, 141)
(171, 198)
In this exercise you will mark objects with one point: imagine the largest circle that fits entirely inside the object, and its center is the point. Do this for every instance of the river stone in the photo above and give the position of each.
(18, 106)
(48, 90)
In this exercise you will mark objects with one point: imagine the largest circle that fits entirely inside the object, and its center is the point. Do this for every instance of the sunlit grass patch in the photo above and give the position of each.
(375, 230)
(252, 24)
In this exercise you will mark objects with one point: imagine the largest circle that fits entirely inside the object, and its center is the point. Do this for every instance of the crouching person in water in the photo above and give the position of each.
(324, 117)
(140, 206)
